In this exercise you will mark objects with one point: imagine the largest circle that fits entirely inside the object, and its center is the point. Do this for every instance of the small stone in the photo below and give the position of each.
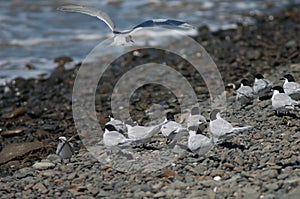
(217, 178)
(92, 189)
(53, 158)
(71, 176)
(12, 132)
(282, 176)
(28, 186)
(268, 174)
(15, 113)
(294, 194)
(48, 173)
(157, 186)
(178, 184)
(272, 187)
(269, 196)
(43, 165)
(239, 160)
(22, 173)
(159, 194)
(141, 187)
(40, 187)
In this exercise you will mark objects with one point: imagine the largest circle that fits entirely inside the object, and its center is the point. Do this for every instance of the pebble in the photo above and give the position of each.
(159, 194)
(43, 165)
(40, 187)
(25, 172)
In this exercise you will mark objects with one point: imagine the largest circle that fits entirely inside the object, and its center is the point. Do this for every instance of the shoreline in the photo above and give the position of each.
(265, 162)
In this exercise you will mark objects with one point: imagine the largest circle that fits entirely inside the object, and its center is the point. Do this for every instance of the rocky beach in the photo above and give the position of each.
(261, 163)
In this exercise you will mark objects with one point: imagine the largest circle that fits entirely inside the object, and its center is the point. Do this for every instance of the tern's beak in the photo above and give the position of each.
(282, 78)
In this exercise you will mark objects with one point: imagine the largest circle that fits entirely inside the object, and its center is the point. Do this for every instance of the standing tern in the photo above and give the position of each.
(262, 87)
(245, 93)
(65, 149)
(291, 87)
(281, 102)
(125, 33)
(221, 129)
(196, 121)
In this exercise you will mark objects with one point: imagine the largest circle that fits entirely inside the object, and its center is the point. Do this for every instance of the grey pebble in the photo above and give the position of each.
(142, 187)
(159, 194)
(24, 172)
(43, 165)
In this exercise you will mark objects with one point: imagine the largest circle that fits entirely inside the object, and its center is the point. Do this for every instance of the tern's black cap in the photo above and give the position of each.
(170, 116)
(279, 88)
(259, 76)
(245, 82)
(289, 77)
(110, 127)
(213, 114)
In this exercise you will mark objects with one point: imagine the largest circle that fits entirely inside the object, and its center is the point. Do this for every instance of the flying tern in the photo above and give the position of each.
(125, 33)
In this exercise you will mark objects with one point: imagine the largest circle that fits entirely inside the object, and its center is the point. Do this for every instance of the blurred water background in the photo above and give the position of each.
(33, 33)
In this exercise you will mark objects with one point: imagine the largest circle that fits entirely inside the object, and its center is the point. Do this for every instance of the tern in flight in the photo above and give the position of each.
(126, 34)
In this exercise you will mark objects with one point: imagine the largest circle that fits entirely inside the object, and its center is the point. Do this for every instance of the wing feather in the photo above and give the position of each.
(89, 11)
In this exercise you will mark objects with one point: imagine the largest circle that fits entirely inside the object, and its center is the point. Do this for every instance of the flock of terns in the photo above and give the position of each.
(283, 99)
(120, 134)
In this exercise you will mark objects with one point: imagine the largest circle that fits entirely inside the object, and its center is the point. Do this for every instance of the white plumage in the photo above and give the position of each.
(245, 94)
(117, 124)
(262, 87)
(65, 149)
(281, 102)
(221, 129)
(291, 87)
(169, 128)
(199, 144)
(196, 121)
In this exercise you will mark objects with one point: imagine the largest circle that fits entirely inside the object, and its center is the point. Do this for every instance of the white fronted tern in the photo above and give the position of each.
(199, 144)
(169, 128)
(222, 129)
(281, 102)
(65, 149)
(143, 133)
(181, 139)
(124, 33)
(245, 94)
(118, 124)
(291, 87)
(196, 121)
(112, 137)
(262, 87)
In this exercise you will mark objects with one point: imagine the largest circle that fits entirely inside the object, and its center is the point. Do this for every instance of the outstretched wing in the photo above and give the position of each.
(89, 11)
(162, 22)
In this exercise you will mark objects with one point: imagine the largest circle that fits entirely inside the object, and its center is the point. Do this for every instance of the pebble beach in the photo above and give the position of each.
(261, 163)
